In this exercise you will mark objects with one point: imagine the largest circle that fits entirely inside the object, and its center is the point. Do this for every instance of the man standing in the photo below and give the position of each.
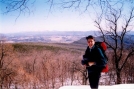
(94, 61)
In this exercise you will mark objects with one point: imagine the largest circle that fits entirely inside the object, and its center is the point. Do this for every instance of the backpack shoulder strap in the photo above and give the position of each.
(102, 46)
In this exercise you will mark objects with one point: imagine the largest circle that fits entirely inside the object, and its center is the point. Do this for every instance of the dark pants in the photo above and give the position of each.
(94, 79)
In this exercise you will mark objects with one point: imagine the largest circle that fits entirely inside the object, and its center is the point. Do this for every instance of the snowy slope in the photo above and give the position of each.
(120, 86)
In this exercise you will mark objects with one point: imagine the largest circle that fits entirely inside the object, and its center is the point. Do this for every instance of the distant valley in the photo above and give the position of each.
(47, 36)
(75, 37)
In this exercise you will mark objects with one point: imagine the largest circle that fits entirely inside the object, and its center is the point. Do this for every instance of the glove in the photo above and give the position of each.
(84, 61)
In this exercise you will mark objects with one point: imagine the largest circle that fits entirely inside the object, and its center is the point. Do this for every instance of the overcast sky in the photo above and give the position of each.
(41, 18)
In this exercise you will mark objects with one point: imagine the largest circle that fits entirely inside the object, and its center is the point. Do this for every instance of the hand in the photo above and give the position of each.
(84, 65)
(91, 63)
(84, 61)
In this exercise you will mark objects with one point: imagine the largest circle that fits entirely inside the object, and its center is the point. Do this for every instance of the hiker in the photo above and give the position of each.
(94, 61)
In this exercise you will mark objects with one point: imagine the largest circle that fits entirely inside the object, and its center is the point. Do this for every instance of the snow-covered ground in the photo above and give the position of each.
(120, 86)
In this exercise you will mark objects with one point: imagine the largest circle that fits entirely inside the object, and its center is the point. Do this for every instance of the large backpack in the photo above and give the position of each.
(103, 47)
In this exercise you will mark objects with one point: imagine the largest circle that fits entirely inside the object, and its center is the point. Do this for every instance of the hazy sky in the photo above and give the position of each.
(41, 18)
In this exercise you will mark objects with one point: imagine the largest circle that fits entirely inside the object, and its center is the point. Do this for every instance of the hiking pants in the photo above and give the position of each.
(94, 79)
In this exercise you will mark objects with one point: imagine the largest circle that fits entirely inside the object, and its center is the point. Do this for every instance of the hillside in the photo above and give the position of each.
(83, 41)
(48, 65)
(128, 40)
(40, 65)
(40, 46)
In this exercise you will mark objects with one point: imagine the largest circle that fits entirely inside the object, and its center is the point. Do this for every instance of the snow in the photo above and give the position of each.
(120, 86)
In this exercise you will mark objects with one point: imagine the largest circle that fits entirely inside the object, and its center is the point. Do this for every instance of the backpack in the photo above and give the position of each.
(103, 47)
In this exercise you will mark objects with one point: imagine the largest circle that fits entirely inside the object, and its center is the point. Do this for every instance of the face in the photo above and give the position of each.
(91, 42)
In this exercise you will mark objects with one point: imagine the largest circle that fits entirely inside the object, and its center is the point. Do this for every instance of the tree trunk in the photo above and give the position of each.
(84, 80)
(118, 72)
(85, 77)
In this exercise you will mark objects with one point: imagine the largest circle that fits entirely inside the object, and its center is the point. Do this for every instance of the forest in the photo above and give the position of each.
(51, 65)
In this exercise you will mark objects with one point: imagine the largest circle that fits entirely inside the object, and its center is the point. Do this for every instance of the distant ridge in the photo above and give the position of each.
(83, 41)
(128, 40)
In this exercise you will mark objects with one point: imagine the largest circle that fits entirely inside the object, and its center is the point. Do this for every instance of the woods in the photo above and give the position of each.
(39, 66)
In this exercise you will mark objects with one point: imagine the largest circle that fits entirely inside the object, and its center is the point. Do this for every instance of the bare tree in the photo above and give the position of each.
(24, 5)
(128, 71)
(114, 27)
(21, 6)
(8, 65)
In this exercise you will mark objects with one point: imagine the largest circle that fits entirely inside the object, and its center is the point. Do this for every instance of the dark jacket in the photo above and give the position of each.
(94, 55)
